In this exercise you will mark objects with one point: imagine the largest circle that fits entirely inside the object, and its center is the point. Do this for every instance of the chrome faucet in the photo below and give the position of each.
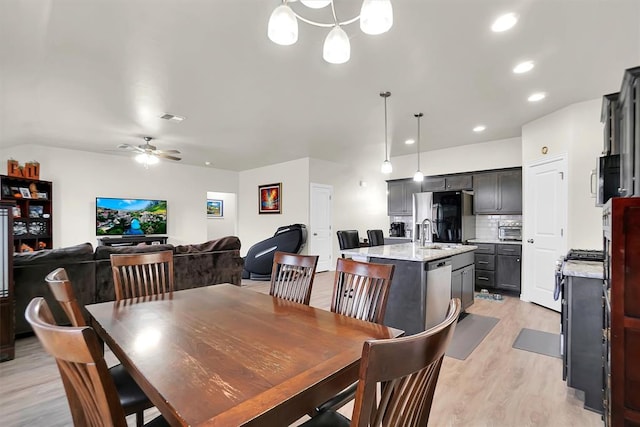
(423, 234)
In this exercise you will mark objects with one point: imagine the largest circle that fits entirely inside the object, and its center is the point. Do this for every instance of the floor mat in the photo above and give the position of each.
(470, 331)
(538, 342)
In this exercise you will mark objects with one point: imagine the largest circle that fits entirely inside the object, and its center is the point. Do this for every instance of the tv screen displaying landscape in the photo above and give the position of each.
(126, 217)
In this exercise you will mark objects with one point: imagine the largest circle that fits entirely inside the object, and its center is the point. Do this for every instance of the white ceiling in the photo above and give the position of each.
(91, 75)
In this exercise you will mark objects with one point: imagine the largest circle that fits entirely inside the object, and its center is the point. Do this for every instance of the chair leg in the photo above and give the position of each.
(139, 418)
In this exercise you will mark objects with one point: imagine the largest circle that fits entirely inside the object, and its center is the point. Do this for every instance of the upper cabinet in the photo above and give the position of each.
(629, 113)
(448, 183)
(609, 116)
(400, 196)
(498, 192)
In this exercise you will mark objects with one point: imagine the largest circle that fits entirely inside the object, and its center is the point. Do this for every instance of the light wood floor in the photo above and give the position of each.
(496, 386)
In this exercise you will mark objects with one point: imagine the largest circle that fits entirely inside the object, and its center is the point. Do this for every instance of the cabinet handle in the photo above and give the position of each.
(482, 278)
(508, 250)
(483, 262)
(622, 191)
(518, 259)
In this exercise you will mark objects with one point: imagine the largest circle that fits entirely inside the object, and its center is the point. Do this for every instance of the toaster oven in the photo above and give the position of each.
(510, 231)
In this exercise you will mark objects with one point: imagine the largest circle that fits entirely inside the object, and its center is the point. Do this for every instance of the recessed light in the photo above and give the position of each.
(207, 163)
(172, 117)
(504, 22)
(410, 141)
(523, 67)
(535, 97)
(479, 128)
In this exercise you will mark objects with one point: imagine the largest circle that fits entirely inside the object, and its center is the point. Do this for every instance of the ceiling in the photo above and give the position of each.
(91, 75)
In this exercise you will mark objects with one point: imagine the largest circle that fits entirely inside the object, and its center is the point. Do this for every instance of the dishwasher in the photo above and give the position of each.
(438, 291)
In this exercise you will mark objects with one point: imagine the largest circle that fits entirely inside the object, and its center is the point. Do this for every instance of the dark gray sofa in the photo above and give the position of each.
(209, 263)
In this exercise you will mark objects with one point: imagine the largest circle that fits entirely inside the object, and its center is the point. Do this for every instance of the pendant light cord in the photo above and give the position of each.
(385, 95)
(418, 116)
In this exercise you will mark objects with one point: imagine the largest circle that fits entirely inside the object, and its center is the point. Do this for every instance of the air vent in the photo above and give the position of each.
(172, 117)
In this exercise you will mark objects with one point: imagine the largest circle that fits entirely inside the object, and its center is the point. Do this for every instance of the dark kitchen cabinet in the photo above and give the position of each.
(508, 267)
(448, 183)
(498, 192)
(629, 112)
(485, 260)
(610, 118)
(400, 197)
(462, 277)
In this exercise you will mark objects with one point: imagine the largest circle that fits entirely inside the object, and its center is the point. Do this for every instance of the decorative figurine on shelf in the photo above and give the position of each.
(33, 190)
(42, 245)
(25, 248)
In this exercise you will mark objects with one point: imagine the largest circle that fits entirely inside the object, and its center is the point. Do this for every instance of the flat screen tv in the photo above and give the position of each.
(130, 217)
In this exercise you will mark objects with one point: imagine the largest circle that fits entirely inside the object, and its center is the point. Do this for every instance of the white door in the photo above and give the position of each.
(544, 223)
(320, 235)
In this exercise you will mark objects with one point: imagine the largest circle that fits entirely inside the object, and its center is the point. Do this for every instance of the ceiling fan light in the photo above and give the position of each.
(386, 167)
(147, 159)
(337, 49)
(316, 4)
(283, 26)
(418, 176)
(376, 16)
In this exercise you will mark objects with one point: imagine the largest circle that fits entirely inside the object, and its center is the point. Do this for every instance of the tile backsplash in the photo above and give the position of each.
(487, 225)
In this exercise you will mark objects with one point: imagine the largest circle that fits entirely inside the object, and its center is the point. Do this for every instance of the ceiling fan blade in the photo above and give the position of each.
(168, 151)
(129, 147)
(166, 156)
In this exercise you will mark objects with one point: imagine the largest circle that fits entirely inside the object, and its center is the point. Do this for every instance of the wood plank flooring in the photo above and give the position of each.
(496, 386)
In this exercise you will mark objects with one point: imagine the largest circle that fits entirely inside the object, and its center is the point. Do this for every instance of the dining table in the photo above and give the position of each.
(225, 355)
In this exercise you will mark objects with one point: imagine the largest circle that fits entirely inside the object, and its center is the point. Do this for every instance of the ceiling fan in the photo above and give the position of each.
(148, 154)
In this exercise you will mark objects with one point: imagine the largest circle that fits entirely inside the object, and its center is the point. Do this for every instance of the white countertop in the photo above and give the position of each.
(589, 269)
(408, 251)
(496, 241)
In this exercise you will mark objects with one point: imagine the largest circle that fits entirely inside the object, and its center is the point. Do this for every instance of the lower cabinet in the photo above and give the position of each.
(498, 267)
(462, 285)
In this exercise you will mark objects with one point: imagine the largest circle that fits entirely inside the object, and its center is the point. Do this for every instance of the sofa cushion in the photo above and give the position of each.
(104, 252)
(227, 243)
(77, 253)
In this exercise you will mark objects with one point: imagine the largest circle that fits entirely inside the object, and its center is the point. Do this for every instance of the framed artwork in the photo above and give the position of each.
(36, 211)
(25, 193)
(214, 208)
(270, 198)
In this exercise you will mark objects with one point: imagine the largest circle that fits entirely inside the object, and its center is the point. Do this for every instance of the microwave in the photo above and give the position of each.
(510, 230)
(607, 179)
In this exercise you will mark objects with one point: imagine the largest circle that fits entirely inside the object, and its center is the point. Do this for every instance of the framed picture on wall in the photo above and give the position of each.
(214, 208)
(270, 198)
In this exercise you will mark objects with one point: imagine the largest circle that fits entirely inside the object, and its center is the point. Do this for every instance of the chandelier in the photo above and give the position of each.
(376, 17)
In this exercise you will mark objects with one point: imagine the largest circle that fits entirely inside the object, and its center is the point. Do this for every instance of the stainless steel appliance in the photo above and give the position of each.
(438, 292)
(449, 216)
(397, 229)
(510, 230)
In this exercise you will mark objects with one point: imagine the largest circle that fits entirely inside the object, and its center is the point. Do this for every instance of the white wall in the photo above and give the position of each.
(575, 131)
(227, 225)
(502, 153)
(294, 176)
(79, 177)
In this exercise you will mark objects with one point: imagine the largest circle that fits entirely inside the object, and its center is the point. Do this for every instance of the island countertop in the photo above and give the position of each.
(409, 251)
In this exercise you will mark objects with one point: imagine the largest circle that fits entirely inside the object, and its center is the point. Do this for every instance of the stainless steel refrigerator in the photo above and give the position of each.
(450, 214)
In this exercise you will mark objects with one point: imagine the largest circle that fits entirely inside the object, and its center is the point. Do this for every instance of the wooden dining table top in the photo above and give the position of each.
(227, 356)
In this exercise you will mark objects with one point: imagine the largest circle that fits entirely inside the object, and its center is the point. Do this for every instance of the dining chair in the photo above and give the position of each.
(292, 276)
(360, 290)
(376, 237)
(142, 274)
(91, 392)
(406, 370)
(131, 396)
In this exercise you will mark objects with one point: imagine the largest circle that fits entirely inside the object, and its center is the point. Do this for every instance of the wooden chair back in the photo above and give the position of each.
(292, 276)
(62, 291)
(92, 396)
(361, 289)
(143, 274)
(407, 369)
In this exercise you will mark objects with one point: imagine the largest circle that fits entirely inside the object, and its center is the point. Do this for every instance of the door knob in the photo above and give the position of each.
(529, 240)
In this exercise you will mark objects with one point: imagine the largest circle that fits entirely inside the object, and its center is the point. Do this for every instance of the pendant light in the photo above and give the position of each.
(386, 165)
(418, 176)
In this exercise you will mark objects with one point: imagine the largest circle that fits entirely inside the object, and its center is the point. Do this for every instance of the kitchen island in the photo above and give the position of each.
(425, 279)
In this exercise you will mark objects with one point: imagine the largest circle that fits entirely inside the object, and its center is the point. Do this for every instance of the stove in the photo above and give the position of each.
(585, 255)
